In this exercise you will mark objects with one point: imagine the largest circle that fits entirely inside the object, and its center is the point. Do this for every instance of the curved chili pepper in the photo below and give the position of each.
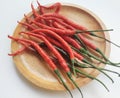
(45, 57)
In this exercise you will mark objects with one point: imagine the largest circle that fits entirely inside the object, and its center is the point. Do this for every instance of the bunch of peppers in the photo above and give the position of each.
(66, 42)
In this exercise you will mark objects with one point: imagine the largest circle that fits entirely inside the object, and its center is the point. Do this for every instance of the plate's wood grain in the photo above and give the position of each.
(34, 69)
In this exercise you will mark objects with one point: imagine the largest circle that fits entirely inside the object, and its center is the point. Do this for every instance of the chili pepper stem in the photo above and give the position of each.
(84, 52)
(58, 74)
(91, 77)
(85, 66)
(107, 61)
(62, 51)
(70, 77)
(87, 53)
(85, 61)
(97, 69)
(81, 42)
(91, 33)
(73, 67)
(99, 51)
(82, 31)
(110, 71)
(81, 64)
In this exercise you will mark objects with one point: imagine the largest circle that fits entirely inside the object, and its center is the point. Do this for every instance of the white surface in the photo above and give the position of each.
(14, 85)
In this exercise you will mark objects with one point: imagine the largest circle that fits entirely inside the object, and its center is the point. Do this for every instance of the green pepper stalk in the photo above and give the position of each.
(87, 62)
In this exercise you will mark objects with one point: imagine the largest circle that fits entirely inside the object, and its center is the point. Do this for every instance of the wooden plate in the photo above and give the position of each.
(34, 69)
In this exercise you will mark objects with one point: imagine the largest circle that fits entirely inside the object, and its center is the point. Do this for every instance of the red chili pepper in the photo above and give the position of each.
(40, 8)
(30, 27)
(39, 49)
(37, 14)
(17, 52)
(27, 19)
(80, 57)
(34, 11)
(72, 42)
(56, 36)
(57, 20)
(61, 40)
(75, 44)
(66, 20)
(87, 42)
(65, 44)
(53, 41)
(58, 31)
(77, 55)
(53, 50)
(49, 23)
(45, 57)
(57, 25)
(57, 5)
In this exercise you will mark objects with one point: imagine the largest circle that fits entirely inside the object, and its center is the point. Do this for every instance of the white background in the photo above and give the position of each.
(14, 85)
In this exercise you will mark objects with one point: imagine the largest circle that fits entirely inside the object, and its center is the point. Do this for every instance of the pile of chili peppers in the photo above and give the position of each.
(65, 40)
